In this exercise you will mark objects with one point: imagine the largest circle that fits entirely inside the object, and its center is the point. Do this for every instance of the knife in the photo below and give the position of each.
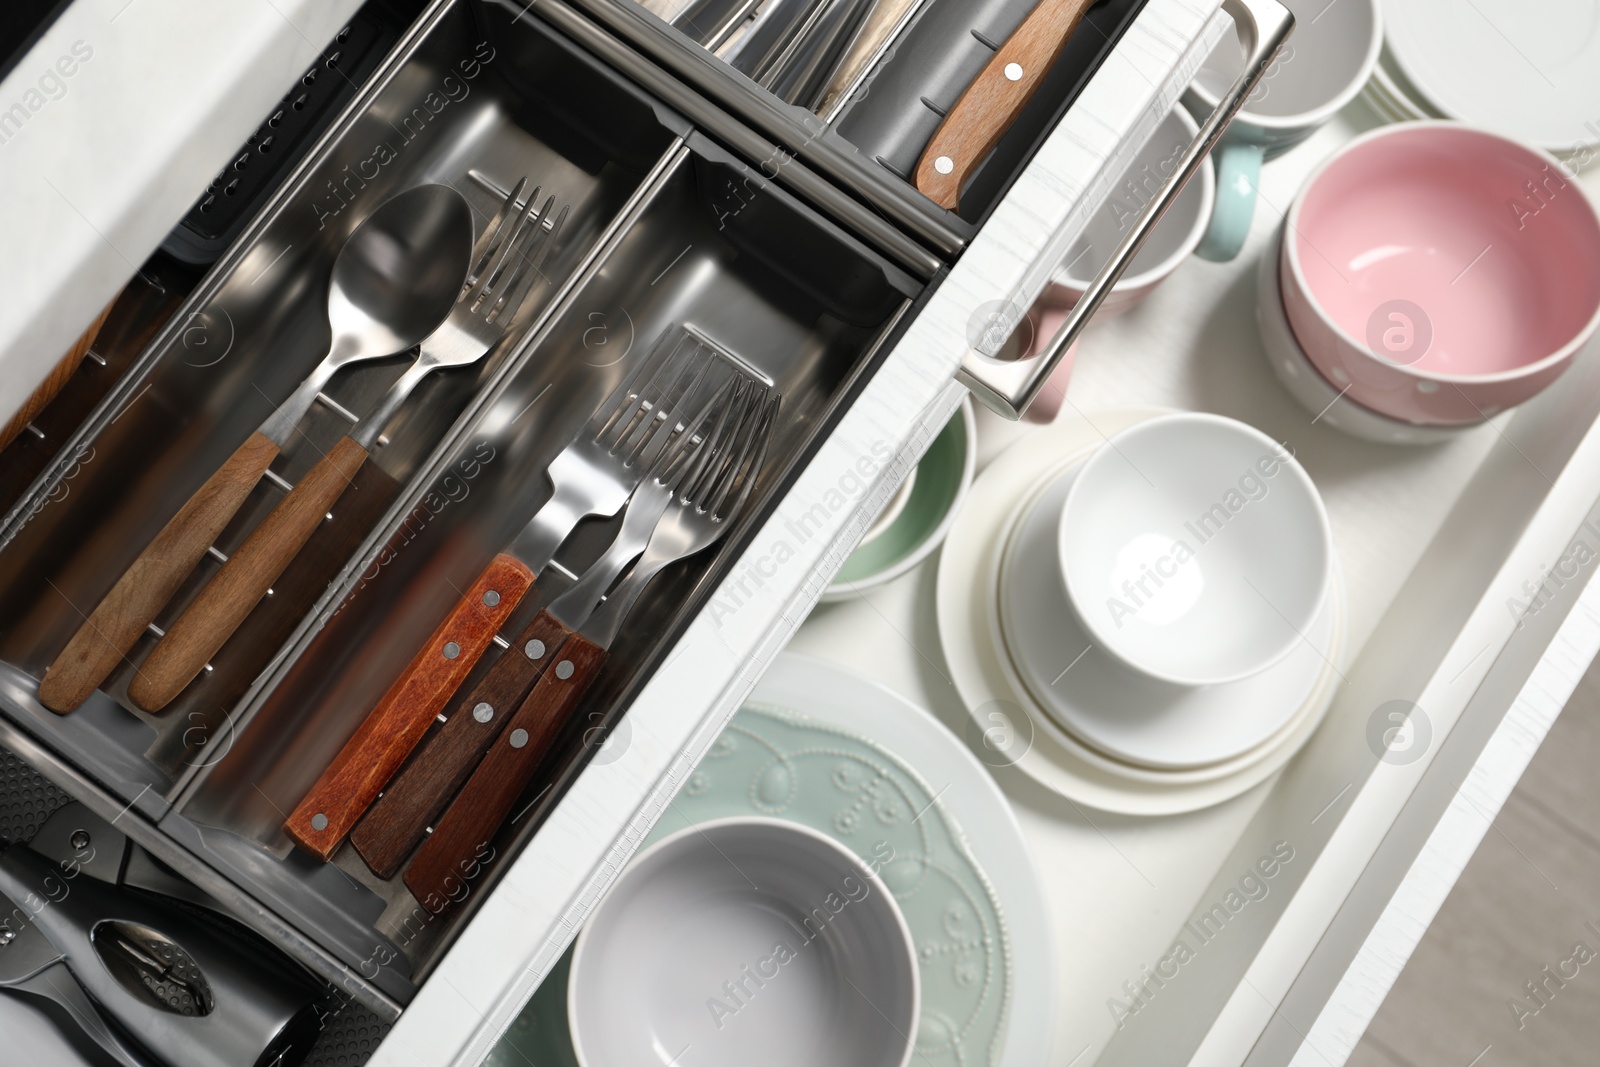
(688, 507)
(989, 106)
(664, 379)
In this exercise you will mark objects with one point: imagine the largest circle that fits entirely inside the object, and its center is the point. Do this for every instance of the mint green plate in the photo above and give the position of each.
(779, 763)
(942, 478)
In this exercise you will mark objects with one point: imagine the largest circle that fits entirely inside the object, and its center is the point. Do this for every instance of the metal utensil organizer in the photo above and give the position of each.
(689, 204)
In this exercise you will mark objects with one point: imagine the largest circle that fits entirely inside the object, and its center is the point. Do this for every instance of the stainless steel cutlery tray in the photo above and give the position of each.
(666, 228)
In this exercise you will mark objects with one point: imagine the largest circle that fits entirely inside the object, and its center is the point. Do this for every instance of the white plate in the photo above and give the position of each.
(1529, 71)
(1011, 727)
(1115, 709)
(846, 701)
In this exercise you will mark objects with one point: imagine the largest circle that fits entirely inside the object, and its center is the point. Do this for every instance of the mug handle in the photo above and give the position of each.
(1238, 176)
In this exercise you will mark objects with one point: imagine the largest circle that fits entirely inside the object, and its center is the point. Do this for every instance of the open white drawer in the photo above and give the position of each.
(1432, 628)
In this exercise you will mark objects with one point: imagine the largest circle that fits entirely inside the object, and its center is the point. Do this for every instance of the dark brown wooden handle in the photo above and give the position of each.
(454, 855)
(235, 590)
(55, 381)
(995, 98)
(388, 833)
(369, 759)
(144, 589)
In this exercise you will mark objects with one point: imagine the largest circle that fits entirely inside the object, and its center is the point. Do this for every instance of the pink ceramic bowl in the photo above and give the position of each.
(1442, 273)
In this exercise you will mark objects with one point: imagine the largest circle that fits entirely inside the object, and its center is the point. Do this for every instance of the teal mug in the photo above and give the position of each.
(1325, 63)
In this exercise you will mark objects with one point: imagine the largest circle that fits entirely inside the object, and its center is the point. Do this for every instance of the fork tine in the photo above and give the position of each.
(515, 292)
(713, 452)
(487, 241)
(621, 399)
(661, 407)
(678, 452)
(749, 469)
(490, 281)
(638, 401)
(650, 450)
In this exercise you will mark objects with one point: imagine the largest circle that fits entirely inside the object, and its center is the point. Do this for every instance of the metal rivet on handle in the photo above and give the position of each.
(1014, 72)
(80, 839)
(564, 669)
(451, 650)
(319, 822)
(482, 712)
(944, 164)
(534, 649)
(491, 598)
(519, 738)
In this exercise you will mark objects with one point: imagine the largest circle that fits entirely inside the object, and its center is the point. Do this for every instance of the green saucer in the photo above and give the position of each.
(942, 478)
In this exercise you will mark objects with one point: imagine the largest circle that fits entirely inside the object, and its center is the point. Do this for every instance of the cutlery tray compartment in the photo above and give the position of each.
(665, 228)
(879, 128)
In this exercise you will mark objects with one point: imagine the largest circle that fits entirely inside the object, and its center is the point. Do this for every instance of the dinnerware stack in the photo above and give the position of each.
(1530, 74)
(1428, 277)
(1161, 626)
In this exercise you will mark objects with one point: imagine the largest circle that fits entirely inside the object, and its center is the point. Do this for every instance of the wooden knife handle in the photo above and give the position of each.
(445, 866)
(56, 380)
(144, 588)
(995, 98)
(235, 590)
(388, 833)
(376, 750)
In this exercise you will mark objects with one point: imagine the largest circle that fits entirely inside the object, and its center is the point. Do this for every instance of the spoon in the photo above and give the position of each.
(394, 281)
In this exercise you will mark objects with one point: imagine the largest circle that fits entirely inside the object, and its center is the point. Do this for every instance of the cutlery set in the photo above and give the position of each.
(677, 447)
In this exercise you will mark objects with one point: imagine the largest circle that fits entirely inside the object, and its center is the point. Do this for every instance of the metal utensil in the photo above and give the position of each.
(594, 475)
(695, 497)
(392, 283)
(126, 965)
(886, 20)
(499, 276)
(391, 830)
(802, 71)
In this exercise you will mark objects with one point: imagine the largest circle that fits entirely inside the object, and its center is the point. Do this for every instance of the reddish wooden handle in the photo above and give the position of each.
(235, 590)
(369, 759)
(144, 589)
(995, 98)
(445, 866)
(394, 827)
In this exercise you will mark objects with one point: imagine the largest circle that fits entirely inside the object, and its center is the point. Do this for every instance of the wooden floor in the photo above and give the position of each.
(1525, 903)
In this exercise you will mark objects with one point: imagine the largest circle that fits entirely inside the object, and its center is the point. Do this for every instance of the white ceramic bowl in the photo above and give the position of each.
(1195, 549)
(746, 941)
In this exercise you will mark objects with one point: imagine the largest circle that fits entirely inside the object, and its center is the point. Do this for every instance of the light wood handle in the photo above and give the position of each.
(369, 759)
(235, 590)
(453, 858)
(995, 98)
(55, 381)
(144, 589)
(388, 834)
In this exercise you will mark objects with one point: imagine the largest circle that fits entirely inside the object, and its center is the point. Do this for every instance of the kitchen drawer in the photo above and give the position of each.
(860, 318)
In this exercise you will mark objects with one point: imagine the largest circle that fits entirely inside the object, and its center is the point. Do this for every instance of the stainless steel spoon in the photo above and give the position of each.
(394, 281)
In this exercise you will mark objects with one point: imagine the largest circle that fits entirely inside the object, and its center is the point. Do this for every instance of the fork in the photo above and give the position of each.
(501, 275)
(593, 475)
(693, 498)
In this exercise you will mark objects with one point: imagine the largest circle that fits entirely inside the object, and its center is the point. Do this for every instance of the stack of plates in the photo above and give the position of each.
(1528, 73)
(1098, 732)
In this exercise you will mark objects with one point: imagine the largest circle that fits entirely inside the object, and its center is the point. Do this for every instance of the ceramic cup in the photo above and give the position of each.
(1195, 549)
(1169, 243)
(751, 941)
(1321, 68)
(918, 517)
(1441, 273)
